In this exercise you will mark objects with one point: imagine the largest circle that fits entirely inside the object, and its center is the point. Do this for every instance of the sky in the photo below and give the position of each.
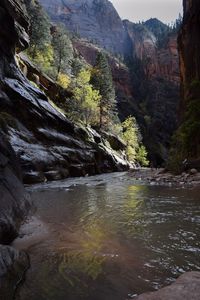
(139, 10)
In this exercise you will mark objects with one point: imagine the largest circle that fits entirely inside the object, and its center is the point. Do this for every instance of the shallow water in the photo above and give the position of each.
(108, 237)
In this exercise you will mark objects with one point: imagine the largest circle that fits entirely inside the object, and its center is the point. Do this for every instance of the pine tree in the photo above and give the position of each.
(102, 81)
(63, 50)
(77, 65)
(40, 28)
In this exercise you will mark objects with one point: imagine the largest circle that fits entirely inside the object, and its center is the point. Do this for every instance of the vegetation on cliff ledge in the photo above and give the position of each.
(93, 102)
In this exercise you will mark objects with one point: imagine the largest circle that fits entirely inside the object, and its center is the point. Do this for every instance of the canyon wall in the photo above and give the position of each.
(37, 143)
(189, 47)
(147, 81)
(96, 20)
(14, 203)
(188, 135)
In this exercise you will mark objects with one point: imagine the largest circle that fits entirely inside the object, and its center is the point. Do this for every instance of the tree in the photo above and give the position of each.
(63, 50)
(86, 99)
(63, 80)
(135, 151)
(102, 81)
(40, 28)
(130, 136)
(44, 59)
(141, 156)
(77, 65)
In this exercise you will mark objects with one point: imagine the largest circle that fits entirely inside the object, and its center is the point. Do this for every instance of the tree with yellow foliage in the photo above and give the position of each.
(85, 103)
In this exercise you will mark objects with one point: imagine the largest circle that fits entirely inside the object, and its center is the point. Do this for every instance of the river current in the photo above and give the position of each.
(108, 237)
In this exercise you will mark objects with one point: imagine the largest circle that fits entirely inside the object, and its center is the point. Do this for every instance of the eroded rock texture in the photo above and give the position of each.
(48, 145)
(14, 203)
(96, 20)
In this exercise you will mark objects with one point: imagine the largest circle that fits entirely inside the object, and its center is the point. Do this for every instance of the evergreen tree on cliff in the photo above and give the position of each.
(102, 81)
(62, 49)
(40, 27)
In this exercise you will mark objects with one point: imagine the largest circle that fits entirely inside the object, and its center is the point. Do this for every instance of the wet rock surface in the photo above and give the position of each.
(48, 145)
(186, 287)
(13, 264)
(14, 202)
(14, 206)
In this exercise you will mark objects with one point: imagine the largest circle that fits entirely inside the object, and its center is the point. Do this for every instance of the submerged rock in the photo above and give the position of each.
(186, 287)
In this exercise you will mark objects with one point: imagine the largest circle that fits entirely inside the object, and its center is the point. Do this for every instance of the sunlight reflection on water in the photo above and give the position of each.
(111, 239)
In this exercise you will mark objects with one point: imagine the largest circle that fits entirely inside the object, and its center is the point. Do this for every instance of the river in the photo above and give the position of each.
(108, 237)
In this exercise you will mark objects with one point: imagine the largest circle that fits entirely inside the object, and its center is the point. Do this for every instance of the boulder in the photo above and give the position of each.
(193, 172)
(186, 287)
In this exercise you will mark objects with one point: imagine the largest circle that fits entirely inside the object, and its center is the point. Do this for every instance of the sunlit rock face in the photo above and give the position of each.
(159, 61)
(96, 20)
(143, 41)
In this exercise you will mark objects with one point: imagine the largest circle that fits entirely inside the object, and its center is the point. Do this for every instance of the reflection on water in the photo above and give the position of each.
(111, 239)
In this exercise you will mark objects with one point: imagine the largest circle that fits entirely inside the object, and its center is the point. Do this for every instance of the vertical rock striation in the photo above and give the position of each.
(96, 20)
(189, 49)
(14, 203)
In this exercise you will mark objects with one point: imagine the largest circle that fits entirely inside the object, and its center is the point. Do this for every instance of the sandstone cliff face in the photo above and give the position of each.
(96, 20)
(189, 49)
(159, 86)
(159, 62)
